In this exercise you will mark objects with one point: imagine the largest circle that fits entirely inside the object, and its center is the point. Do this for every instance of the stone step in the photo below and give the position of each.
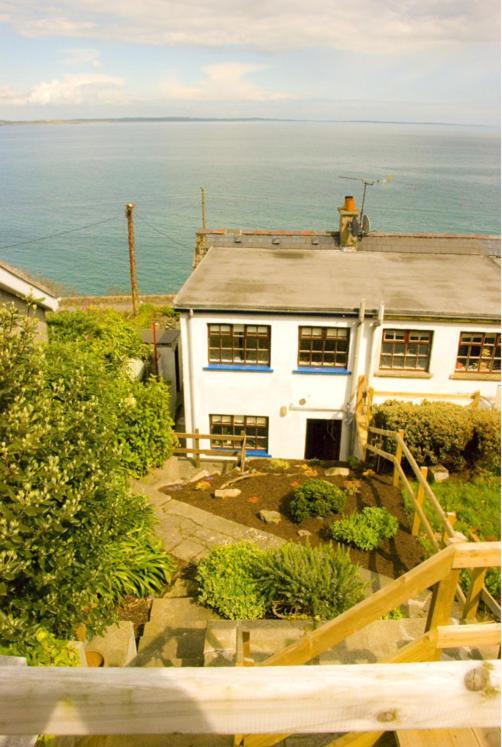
(175, 634)
(379, 640)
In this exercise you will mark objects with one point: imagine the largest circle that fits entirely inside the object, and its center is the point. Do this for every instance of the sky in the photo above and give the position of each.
(388, 60)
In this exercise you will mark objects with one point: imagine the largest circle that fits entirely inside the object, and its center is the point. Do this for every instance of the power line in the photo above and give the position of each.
(60, 233)
(163, 233)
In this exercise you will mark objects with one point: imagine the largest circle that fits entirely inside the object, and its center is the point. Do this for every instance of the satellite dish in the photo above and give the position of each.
(355, 228)
(365, 225)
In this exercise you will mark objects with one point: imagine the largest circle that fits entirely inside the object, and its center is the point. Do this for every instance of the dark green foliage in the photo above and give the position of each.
(316, 498)
(241, 581)
(103, 331)
(65, 508)
(366, 530)
(300, 580)
(440, 432)
(144, 428)
(228, 584)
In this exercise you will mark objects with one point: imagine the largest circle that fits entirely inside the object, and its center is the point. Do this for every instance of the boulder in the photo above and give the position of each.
(200, 475)
(438, 473)
(304, 533)
(227, 493)
(269, 517)
(337, 472)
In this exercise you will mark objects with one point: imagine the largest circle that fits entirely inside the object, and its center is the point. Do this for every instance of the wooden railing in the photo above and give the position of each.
(441, 572)
(364, 431)
(239, 451)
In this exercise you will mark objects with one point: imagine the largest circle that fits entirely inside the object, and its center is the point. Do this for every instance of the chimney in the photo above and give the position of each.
(347, 213)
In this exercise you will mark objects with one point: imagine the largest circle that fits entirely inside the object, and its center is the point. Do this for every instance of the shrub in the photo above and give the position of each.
(104, 331)
(484, 449)
(279, 465)
(366, 530)
(320, 582)
(41, 648)
(316, 498)
(435, 432)
(145, 426)
(228, 584)
(65, 508)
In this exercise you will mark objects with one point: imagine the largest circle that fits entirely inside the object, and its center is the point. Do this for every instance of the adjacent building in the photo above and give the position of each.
(25, 292)
(277, 328)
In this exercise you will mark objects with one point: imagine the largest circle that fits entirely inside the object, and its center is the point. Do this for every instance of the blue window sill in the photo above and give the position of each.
(258, 453)
(328, 371)
(237, 367)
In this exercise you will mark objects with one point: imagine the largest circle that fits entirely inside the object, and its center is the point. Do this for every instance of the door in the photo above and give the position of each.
(323, 439)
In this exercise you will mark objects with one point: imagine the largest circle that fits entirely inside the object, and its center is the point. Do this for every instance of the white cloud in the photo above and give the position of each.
(81, 56)
(86, 88)
(384, 26)
(223, 82)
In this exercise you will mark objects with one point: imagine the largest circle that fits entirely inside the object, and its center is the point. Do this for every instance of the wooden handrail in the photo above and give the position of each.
(215, 700)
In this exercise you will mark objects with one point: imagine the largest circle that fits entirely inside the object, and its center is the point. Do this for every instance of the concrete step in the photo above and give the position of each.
(379, 640)
(175, 634)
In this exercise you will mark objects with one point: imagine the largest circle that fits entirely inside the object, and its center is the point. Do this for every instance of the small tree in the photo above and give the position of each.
(65, 507)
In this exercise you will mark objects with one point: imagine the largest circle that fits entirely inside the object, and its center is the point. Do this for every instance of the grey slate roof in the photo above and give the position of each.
(333, 281)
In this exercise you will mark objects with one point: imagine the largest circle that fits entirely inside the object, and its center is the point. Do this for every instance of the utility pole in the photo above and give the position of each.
(132, 257)
(203, 207)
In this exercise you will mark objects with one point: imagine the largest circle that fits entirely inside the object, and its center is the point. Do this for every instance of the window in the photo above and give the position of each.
(406, 349)
(478, 352)
(255, 428)
(323, 346)
(247, 344)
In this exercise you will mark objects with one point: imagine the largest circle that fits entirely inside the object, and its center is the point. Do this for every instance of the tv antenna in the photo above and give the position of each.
(363, 227)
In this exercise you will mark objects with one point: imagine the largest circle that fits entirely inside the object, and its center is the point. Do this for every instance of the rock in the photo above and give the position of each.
(369, 473)
(304, 533)
(269, 517)
(200, 475)
(337, 472)
(227, 493)
(438, 473)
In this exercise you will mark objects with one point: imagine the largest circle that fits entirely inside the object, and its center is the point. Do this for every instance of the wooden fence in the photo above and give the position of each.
(441, 571)
(402, 454)
(279, 697)
(238, 452)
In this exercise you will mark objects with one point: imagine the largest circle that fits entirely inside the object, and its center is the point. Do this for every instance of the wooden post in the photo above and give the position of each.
(474, 595)
(203, 207)
(451, 517)
(132, 257)
(399, 456)
(243, 452)
(196, 442)
(442, 600)
(420, 501)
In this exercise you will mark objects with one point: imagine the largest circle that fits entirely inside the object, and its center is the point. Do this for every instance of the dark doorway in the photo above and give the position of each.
(323, 439)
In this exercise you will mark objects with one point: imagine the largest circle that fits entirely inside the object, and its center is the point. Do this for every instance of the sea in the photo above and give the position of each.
(63, 189)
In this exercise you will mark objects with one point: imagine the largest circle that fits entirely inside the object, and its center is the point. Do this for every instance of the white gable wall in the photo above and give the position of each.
(288, 399)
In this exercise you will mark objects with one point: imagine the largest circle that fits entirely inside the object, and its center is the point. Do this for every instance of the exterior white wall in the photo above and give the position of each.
(288, 399)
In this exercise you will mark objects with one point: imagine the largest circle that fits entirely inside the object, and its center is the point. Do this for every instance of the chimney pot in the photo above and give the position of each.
(350, 203)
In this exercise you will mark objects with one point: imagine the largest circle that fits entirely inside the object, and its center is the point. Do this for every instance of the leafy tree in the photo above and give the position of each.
(65, 507)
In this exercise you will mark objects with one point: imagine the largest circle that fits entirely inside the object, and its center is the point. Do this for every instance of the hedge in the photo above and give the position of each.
(441, 432)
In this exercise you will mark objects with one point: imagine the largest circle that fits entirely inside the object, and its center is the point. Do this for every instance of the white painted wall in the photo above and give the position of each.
(279, 394)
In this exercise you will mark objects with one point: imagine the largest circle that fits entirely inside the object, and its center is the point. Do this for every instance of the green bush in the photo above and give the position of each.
(484, 449)
(435, 432)
(42, 649)
(301, 580)
(145, 426)
(104, 331)
(228, 583)
(367, 529)
(316, 498)
(440, 432)
(65, 507)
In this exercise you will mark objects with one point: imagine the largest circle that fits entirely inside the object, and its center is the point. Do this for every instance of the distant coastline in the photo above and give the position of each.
(175, 120)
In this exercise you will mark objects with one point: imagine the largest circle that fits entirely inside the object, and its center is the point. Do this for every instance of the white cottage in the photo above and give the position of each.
(277, 328)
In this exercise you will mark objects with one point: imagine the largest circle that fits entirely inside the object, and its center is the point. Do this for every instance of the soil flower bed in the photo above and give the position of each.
(272, 489)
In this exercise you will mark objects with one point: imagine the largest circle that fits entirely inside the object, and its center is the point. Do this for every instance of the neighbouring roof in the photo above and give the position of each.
(18, 283)
(393, 270)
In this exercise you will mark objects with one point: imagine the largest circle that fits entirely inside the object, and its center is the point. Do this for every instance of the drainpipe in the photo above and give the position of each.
(377, 323)
(357, 348)
(190, 375)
